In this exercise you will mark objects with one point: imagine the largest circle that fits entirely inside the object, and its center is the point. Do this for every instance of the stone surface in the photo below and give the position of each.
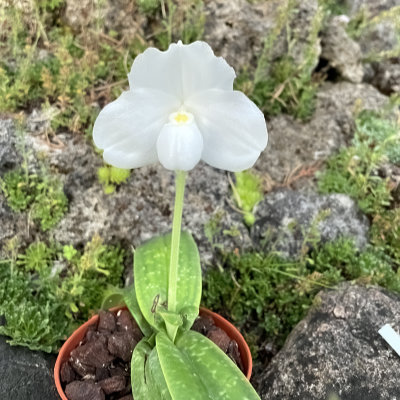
(379, 38)
(120, 16)
(12, 224)
(293, 143)
(25, 374)
(373, 6)
(9, 155)
(341, 52)
(337, 350)
(237, 29)
(285, 218)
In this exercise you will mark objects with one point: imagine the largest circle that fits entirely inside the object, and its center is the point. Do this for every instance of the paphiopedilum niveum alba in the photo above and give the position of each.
(181, 108)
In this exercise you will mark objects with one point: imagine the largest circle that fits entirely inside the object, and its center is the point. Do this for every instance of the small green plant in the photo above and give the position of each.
(110, 177)
(42, 194)
(37, 258)
(42, 304)
(247, 192)
(19, 189)
(379, 129)
(354, 170)
(181, 21)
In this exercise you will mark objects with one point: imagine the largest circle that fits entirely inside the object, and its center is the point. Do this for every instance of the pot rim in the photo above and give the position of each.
(73, 341)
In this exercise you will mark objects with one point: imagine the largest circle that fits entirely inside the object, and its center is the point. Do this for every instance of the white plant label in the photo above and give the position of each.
(391, 337)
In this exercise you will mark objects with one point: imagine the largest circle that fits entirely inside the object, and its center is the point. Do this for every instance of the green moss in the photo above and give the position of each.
(41, 303)
(110, 177)
(43, 194)
(354, 170)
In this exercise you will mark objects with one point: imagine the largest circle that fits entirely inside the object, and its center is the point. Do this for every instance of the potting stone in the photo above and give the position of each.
(25, 374)
(84, 391)
(337, 351)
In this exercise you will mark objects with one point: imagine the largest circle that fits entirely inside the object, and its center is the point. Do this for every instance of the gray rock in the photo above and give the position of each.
(285, 219)
(12, 224)
(237, 29)
(121, 16)
(25, 374)
(293, 143)
(341, 52)
(9, 156)
(373, 6)
(336, 350)
(383, 72)
(377, 39)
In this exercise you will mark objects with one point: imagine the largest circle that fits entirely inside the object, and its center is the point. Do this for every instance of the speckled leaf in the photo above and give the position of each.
(142, 387)
(181, 378)
(223, 379)
(158, 375)
(151, 277)
(133, 306)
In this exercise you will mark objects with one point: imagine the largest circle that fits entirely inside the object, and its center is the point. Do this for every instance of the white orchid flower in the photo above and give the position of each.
(181, 108)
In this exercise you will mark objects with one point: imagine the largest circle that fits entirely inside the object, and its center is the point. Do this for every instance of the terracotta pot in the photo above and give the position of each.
(74, 340)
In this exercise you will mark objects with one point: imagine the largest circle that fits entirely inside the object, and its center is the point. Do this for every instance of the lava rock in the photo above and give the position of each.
(93, 354)
(107, 322)
(84, 370)
(337, 350)
(203, 325)
(79, 390)
(128, 397)
(285, 217)
(121, 345)
(67, 373)
(26, 374)
(101, 373)
(234, 353)
(112, 385)
(125, 322)
(220, 338)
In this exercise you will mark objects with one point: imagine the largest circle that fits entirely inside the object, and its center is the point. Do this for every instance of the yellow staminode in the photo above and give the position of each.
(181, 118)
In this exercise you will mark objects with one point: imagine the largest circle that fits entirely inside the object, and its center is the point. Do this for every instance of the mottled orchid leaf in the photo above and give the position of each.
(143, 388)
(151, 268)
(181, 378)
(223, 379)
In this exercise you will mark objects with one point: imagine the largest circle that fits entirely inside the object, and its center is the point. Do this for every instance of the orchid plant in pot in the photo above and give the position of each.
(181, 108)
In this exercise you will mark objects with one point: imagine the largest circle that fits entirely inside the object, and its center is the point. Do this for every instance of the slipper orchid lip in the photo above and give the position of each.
(181, 108)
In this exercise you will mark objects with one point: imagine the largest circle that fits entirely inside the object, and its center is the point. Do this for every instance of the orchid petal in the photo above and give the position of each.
(182, 70)
(179, 147)
(127, 129)
(233, 128)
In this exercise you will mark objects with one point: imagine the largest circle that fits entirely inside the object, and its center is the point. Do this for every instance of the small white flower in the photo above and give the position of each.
(181, 108)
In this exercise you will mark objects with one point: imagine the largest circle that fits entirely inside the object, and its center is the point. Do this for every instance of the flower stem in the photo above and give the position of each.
(175, 240)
